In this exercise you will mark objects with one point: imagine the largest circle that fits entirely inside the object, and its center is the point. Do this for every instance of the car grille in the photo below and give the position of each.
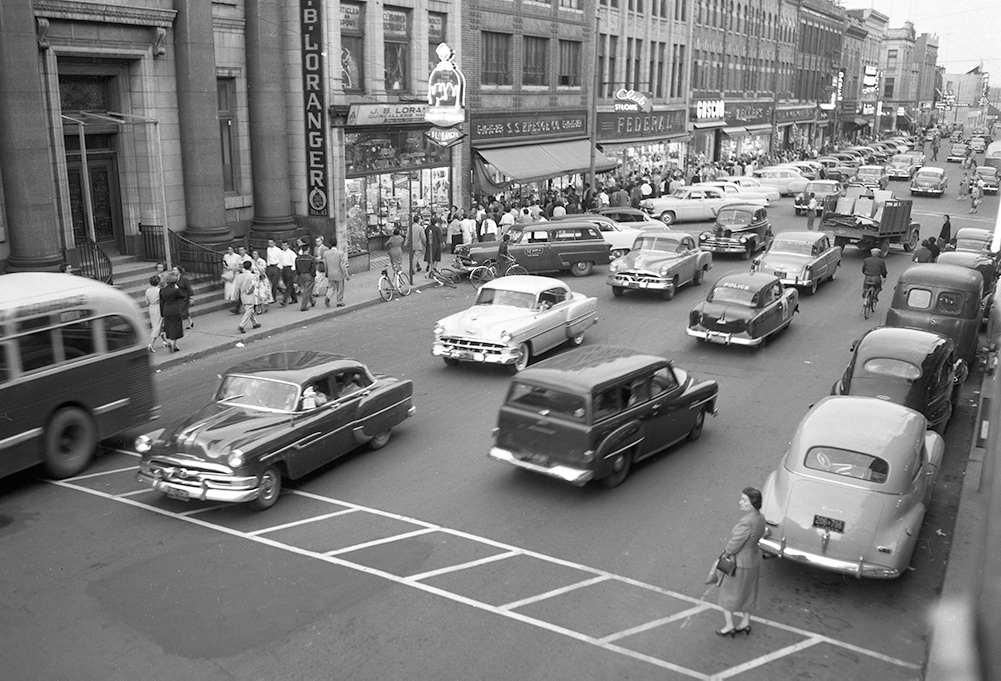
(720, 242)
(638, 277)
(193, 474)
(469, 345)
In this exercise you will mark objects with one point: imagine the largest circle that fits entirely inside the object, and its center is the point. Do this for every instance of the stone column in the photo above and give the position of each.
(269, 154)
(198, 110)
(25, 146)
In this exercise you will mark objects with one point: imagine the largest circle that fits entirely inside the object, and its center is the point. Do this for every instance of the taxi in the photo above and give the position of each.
(744, 309)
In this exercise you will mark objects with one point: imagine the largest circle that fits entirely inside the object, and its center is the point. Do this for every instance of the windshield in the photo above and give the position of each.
(790, 246)
(900, 160)
(870, 172)
(850, 464)
(261, 393)
(546, 401)
(730, 292)
(822, 187)
(987, 171)
(730, 216)
(665, 244)
(498, 296)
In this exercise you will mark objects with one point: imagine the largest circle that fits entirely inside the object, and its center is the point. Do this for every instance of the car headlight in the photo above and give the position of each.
(236, 459)
(143, 444)
(506, 336)
(703, 236)
(438, 329)
(663, 271)
(614, 267)
(743, 239)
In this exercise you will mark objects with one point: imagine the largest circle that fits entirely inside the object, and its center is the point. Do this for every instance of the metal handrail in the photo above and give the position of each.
(94, 262)
(192, 257)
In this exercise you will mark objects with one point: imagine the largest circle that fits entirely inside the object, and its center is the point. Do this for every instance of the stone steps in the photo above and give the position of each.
(132, 277)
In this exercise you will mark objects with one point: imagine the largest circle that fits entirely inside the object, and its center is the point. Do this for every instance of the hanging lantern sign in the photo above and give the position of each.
(446, 90)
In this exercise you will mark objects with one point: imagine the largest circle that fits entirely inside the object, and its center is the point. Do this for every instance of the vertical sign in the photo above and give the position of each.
(312, 92)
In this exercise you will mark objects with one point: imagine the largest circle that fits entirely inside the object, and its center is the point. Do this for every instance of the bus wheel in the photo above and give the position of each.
(70, 441)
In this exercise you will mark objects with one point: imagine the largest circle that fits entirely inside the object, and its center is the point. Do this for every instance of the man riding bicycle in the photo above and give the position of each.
(874, 270)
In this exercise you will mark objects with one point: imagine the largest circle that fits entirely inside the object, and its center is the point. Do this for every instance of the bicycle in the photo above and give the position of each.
(491, 270)
(868, 301)
(390, 285)
(444, 276)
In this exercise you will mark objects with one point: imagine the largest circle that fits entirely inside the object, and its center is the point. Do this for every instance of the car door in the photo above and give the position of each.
(551, 310)
(686, 260)
(666, 417)
(690, 205)
(713, 201)
(773, 310)
(323, 431)
(534, 252)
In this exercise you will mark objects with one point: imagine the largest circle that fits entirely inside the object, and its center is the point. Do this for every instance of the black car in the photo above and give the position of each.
(911, 367)
(742, 228)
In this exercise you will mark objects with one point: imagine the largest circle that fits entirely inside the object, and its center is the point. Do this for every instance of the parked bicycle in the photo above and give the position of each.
(389, 285)
(444, 276)
(490, 270)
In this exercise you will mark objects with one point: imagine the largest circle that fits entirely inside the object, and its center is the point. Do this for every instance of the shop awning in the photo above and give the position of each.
(736, 130)
(531, 162)
(861, 122)
(758, 128)
(705, 125)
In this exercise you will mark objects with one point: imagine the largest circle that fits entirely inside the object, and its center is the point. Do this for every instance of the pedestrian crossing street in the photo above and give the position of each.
(651, 625)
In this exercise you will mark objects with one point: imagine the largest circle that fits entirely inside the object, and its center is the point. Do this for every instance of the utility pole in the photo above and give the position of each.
(775, 91)
(593, 123)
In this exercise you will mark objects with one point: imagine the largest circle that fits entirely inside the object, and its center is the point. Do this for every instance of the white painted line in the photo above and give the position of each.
(765, 659)
(204, 509)
(555, 592)
(137, 492)
(461, 566)
(485, 607)
(367, 509)
(985, 428)
(98, 475)
(276, 528)
(384, 540)
(655, 623)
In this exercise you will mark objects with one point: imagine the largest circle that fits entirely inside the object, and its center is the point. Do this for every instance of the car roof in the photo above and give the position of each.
(620, 209)
(528, 283)
(736, 203)
(295, 366)
(551, 224)
(806, 237)
(911, 345)
(871, 167)
(969, 259)
(990, 170)
(586, 217)
(974, 233)
(582, 369)
(661, 232)
(925, 169)
(754, 281)
(935, 274)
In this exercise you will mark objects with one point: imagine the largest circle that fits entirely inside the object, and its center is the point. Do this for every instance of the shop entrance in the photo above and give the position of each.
(105, 198)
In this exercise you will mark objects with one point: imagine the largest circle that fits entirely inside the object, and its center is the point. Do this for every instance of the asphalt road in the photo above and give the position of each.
(426, 560)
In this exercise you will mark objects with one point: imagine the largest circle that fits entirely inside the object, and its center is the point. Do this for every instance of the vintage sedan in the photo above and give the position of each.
(820, 189)
(590, 414)
(918, 369)
(742, 228)
(871, 176)
(738, 192)
(689, 204)
(903, 166)
(771, 193)
(513, 320)
(787, 180)
(620, 237)
(982, 263)
(929, 180)
(662, 261)
(744, 309)
(957, 153)
(801, 259)
(974, 239)
(560, 245)
(281, 415)
(989, 175)
(853, 500)
(631, 217)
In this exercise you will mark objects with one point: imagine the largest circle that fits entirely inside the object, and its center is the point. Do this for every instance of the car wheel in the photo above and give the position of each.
(617, 291)
(668, 293)
(269, 487)
(380, 440)
(524, 358)
(581, 269)
(746, 254)
(699, 276)
(450, 361)
(70, 441)
(621, 464)
(667, 217)
(812, 288)
(578, 339)
(696, 432)
(834, 272)
(912, 241)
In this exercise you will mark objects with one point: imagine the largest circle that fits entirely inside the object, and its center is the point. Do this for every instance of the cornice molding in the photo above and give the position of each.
(73, 10)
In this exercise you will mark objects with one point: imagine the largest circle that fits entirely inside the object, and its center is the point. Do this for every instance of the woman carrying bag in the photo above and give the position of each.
(739, 567)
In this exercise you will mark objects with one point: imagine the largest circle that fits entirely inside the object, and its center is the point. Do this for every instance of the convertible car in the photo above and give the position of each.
(801, 259)
(660, 261)
(853, 500)
(915, 368)
(513, 320)
(744, 309)
(281, 415)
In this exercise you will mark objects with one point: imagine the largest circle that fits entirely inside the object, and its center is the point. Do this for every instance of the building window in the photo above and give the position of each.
(352, 47)
(396, 33)
(888, 88)
(496, 58)
(226, 94)
(891, 59)
(571, 4)
(536, 61)
(570, 66)
(611, 75)
(437, 30)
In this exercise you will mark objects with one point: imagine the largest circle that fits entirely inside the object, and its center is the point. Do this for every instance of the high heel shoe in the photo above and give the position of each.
(743, 630)
(726, 632)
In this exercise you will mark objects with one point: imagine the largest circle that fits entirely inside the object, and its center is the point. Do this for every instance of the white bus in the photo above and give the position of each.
(992, 156)
(74, 369)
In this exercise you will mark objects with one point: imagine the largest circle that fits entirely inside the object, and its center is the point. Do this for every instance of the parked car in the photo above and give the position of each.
(872, 176)
(742, 228)
(820, 189)
(946, 299)
(553, 246)
(281, 415)
(915, 368)
(840, 174)
(980, 262)
(620, 238)
(689, 204)
(632, 217)
(787, 180)
(771, 193)
(902, 167)
(513, 320)
(807, 170)
(744, 309)
(852, 500)
(989, 175)
(977, 145)
(974, 239)
(802, 259)
(851, 160)
(660, 261)
(590, 414)
(738, 192)
(957, 153)
(929, 180)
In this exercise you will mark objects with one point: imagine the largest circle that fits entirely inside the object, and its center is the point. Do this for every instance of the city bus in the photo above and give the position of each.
(992, 156)
(74, 369)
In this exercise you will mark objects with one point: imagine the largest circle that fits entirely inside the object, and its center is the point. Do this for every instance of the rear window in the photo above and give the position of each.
(727, 292)
(919, 299)
(892, 367)
(546, 401)
(847, 463)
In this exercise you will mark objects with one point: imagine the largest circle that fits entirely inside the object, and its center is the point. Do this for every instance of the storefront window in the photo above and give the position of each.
(352, 47)
(382, 150)
(379, 203)
(396, 32)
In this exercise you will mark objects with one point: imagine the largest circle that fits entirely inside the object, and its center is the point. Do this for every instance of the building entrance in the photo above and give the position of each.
(105, 199)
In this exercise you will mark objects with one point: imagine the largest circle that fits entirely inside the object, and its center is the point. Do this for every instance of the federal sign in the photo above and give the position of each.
(445, 137)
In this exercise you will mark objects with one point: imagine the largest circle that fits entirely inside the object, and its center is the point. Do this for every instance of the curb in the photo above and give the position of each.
(183, 357)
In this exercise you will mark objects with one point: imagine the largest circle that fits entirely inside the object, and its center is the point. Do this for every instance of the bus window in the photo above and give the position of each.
(37, 350)
(78, 340)
(120, 334)
(5, 371)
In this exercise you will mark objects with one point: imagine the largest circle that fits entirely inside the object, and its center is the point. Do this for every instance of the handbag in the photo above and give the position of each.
(228, 275)
(726, 564)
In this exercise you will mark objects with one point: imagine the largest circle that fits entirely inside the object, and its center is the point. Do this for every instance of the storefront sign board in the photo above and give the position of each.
(616, 125)
(446, 90)
(311, 23)
(536, 124)
(445, 137)
(386, 114)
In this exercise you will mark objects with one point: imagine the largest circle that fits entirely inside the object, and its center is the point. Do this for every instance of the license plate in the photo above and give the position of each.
(178, 494)
(825, 523)
(779, 274)
(537, 459)
(462, 354)
(633, 284)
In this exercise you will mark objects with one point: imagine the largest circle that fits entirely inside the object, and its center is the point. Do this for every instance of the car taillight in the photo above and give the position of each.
(694, 318)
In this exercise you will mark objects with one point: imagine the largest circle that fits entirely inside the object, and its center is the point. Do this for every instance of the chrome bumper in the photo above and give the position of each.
(857, 569)
(505, 356)
(736, 247)
(576, 476)
(240, 490)
(722, 338)
(630, 283)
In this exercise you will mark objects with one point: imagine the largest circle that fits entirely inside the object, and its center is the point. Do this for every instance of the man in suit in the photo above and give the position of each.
(336, 263)
(245, 289)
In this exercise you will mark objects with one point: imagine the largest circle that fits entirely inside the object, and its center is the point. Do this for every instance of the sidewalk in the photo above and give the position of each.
(217, 331)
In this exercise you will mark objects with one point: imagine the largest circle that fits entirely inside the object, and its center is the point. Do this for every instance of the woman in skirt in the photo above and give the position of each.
(172, 310)
(739, 593)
